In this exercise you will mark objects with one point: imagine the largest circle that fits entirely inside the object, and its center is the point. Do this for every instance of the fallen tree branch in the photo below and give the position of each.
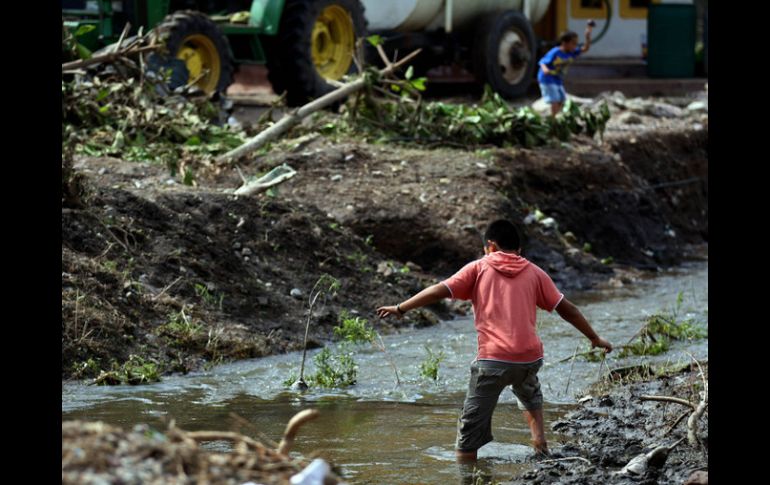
(692, 437)
(569, 458)
(112, 56)
(294, 117)
(678, 420)
(298, 420)
(676, 400)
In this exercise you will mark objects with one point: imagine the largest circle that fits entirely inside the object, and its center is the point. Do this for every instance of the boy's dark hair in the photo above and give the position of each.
(504, 233)
(567, 36)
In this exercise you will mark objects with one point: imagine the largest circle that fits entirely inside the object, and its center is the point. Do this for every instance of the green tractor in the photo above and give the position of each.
(304, 44)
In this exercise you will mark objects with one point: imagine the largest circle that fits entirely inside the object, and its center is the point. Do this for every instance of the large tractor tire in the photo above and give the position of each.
(197, 51)
(505, 53)
(315, 43)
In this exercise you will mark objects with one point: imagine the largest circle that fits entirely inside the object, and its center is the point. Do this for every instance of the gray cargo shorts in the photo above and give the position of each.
(488, 379)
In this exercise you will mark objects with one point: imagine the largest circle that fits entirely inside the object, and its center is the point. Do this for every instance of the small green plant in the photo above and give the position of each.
(334, 370)
(208, 297)
(88, 368)
(325, 285)
(181, 328)
(429, 366)
(136, 370)
(360, 259)
(356, 330)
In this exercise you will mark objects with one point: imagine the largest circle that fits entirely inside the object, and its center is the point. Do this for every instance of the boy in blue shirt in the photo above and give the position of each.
(554, 65)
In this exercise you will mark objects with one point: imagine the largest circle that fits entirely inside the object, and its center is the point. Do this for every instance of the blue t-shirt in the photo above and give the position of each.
(558, 62)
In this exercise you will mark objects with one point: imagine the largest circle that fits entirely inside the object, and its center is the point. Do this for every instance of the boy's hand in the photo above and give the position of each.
(600, 342)
(384, 311)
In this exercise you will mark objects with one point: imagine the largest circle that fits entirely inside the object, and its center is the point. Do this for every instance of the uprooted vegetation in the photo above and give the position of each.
(656, 334)
(95, 452)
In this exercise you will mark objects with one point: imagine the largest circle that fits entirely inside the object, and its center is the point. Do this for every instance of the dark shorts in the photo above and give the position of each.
(488, 379)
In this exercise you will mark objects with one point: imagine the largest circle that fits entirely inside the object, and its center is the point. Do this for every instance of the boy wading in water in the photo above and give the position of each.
(506, 291)
(554, 65)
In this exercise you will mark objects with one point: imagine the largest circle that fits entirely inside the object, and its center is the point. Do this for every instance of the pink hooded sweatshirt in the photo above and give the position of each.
(506, 290)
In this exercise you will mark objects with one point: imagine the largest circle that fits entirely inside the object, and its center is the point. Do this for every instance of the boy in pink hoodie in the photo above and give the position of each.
(506, 289)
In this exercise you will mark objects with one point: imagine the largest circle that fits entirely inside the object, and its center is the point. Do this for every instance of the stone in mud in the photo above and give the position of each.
(296, 293)
(630, 119)
(698, 478)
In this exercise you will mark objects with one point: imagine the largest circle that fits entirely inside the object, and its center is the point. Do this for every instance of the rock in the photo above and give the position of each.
(336, 178)
(385, 268)
(246, 252)
(413, 266)
(698, 478)
(663, 110)
(629, 118)
(296, 293)
(548, 222)
(698, 107)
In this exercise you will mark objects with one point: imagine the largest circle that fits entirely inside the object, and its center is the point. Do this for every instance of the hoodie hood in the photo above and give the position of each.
(506, 263)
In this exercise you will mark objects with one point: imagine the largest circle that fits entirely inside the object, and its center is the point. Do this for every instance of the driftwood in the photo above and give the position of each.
(295, 116)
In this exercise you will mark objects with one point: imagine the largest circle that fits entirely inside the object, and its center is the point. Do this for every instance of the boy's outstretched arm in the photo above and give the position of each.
(429, 295)
(587, 44)
(569, 312)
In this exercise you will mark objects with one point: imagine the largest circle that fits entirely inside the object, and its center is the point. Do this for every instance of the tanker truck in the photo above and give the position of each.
(307, 43)
(492, 39)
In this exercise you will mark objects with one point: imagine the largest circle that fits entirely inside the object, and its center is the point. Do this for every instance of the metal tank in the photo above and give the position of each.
(429, 15)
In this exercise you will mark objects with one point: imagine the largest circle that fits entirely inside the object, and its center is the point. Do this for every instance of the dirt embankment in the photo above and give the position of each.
(186, 275)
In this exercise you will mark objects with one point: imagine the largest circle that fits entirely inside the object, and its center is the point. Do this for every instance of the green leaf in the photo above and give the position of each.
(83, 52)
(395, 87)
(375, 40)
(409, 73)
(419, 83)
(193, 141)
(84, 29)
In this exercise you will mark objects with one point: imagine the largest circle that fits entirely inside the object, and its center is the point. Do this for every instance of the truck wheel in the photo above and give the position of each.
(194, 39)
(316, 41)
(504, 53)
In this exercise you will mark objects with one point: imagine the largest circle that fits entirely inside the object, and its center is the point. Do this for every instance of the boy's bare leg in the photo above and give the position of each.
(536, 427)
(556, 108)
(466, 456)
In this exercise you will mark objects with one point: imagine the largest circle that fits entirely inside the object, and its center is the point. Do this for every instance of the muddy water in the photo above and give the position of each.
(382, 433)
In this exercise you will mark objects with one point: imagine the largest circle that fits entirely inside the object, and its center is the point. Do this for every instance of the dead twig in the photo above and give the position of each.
(676, 400)
(164, 290)
(692, 437)
(292, 428)
(678, 420)
(572, 366)
(569, 458)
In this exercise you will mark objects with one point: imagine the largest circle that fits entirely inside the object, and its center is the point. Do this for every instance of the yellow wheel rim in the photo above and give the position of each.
(332, 42)
(202, 60)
